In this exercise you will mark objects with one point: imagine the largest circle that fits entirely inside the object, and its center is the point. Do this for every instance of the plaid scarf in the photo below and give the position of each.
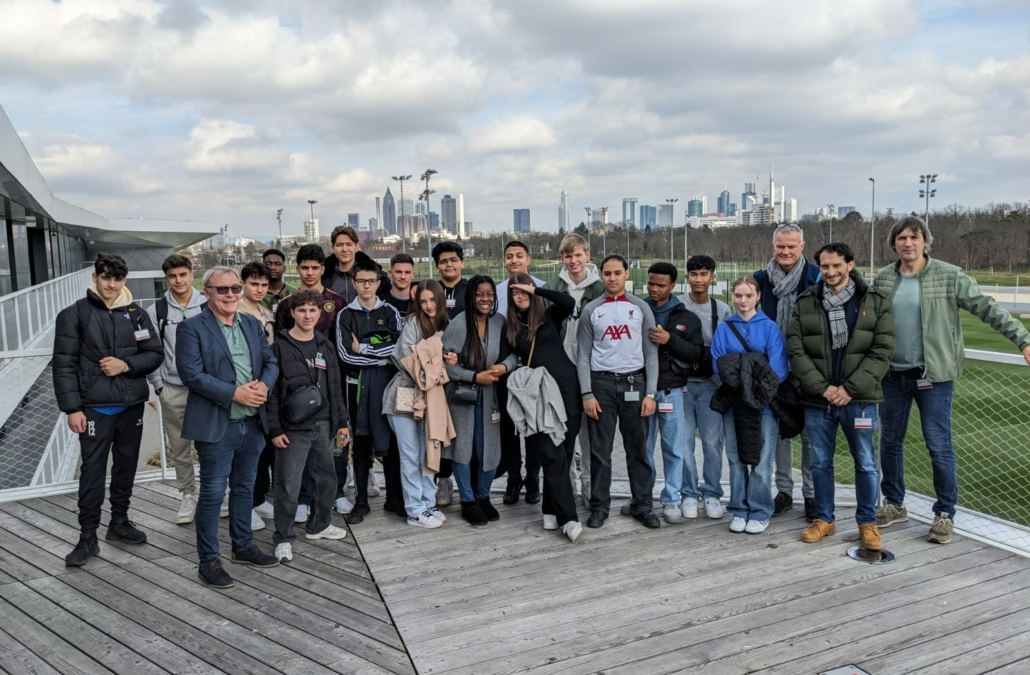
(834, 306)
(785, 286)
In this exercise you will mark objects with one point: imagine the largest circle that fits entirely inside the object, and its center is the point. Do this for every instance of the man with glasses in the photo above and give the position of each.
(228, 366)
(787, 275)
(275, 261)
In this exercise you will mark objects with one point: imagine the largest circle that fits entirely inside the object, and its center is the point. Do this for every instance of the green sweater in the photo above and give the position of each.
(944, 289)
(867, 356)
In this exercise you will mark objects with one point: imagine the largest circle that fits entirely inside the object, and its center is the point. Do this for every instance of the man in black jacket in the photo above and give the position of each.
(677, 333)
(305, 436)
(104, 348)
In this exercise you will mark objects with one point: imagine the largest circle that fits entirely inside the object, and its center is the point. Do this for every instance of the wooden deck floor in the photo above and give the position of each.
(508, 598)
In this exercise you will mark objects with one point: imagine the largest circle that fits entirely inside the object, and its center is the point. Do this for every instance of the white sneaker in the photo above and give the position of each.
(756, 526)
(737, 524)
(373, 484)
(255, 521)
(284, 552)
(187, 509)
(266, 510)
(550, 522)
(224, 512)
(436, 513)
(424, 520)
(343, 506)
(330, 532)
(302, 514)
(572, 529)
(689, 507)
(713, 509)
(444, 491)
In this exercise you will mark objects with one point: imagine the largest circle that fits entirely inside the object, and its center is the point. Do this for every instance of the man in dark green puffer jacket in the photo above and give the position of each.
(840, 340)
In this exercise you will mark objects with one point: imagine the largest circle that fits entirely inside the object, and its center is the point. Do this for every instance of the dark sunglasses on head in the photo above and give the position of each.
(223, 290)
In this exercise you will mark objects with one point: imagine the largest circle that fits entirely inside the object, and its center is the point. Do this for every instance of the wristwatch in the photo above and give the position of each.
(653, 397)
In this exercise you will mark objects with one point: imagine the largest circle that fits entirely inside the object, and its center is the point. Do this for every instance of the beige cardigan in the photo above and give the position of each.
(426, 367)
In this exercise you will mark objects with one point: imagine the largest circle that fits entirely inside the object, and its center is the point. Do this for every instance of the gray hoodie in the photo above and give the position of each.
(176, 315)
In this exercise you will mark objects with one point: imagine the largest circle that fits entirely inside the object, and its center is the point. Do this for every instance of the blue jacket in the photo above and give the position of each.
(762, 335)
(205, 366)
(769, 301)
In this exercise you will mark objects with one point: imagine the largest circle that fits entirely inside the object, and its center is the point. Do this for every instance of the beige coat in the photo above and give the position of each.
(426, 367)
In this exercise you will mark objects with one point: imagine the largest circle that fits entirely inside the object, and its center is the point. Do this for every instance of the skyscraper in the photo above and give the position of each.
(665, 215)
(389, 213)
(311, 231)
(790, 211)
(749, 191)
(598, 217)
(434, 221)
(564, 214)
(695, 207)
(407, 207)
(629, 208)
(420, 207)
(724, 201)
(648, 216)
(352, 220)
(462, 234)
(449, 213)
(521, 220)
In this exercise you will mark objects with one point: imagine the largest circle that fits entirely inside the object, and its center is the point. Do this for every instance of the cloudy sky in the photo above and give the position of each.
(225, 110)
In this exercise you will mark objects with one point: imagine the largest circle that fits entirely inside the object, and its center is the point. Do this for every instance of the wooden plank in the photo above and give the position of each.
(16, 659)
(42, 559)
(1021, 667)
(1009, 655)
(84, 637)
(17, 568)
(46, 645)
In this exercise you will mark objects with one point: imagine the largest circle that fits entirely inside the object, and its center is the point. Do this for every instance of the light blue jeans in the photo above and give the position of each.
(419, 490)
(751, 486)
(699, 416)
(671, 426)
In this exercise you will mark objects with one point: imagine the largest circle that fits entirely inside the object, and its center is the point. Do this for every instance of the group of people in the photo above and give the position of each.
(285, 392)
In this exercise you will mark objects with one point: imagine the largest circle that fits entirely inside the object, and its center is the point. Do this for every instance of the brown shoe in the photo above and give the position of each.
(817, 530)
(870, 536)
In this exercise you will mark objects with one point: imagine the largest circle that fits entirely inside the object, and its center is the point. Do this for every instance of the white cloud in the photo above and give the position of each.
(521, 132)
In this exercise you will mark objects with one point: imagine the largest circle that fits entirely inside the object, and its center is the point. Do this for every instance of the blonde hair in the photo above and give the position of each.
(571, 242)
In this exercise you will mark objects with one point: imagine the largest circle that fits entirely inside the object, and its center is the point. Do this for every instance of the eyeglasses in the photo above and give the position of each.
(224, 290)
(366, 282)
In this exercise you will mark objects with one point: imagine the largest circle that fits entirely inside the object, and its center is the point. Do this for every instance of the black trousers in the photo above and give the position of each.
(265, 471)
(610, 390)
(511, 451)
(116, 435)
(361, 459)
(392, 475)
(558, 500)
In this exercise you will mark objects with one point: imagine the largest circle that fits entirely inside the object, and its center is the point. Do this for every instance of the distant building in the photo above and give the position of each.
(463, 227)
(748, 197)
(695, 208)
(665, 215)
(598, 217)
(311, 230)
(407, 207)
(724, 202)
(789, 214)
(564, 213)
(732, 210)
(648, 216)
(389, 213)
(434, 221)
(353, 219)
(761, 215)
(411, 226)
(373, 224)
(449, 213)
(629, 208)
(521, 219)
(844, 210)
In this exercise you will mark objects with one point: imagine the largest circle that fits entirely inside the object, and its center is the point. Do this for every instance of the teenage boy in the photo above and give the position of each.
(398, 294)
(339, 267)
(449, 258)
(275, 261)
(841, 340)
(697, 409)
(310, 270)
(309, 438)
(255, 277)
(579, 279)
(677, 334)
(180, 302)
(104, 347)
(516, 259)
(366, 332)
(618, 375)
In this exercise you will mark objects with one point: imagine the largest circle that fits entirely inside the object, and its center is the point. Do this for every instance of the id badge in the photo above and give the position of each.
(142, 334)
(495, 417)
(665, 407)
(451, 302)
(863, 422)
(320, 362)
(923, 383)
(275, 306)
(631, 395)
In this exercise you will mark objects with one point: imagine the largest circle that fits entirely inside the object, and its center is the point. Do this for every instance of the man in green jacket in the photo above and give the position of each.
(926, 296)
(840, 340)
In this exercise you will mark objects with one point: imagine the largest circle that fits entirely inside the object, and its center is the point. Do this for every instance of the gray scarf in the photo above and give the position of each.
(834, 306)
(784, 286)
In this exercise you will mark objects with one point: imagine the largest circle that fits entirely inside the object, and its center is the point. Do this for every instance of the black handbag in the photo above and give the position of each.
(465, 393)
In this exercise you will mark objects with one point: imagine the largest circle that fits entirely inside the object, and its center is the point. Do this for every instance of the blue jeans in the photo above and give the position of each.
(671, 426)
(463, 473)
(751, 486)
(899, 390)
(419, 490)
(699, 416)
(232, 460)
(822, 425)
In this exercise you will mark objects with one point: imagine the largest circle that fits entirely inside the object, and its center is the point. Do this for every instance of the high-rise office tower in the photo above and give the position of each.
(352, 220)
(598, 217)
(724, 201)
(434, 221)
(407, 207)
(749, 192)
(521, 220)
(389, 213)
(648, 216)
(311, 231)
(629, 208)
(564, 213)
(420, 207)
(695, 207)
(790, 211)
(449, 213)
(665, 215)
(462, 233)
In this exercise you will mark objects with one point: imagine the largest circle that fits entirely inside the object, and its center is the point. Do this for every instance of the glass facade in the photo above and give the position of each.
(34, 248)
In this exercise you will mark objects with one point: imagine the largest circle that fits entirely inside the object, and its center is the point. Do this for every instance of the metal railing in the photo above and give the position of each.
(28, 315)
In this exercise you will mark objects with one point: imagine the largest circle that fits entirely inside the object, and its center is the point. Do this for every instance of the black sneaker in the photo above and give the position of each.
(533, 491)
(83, 551)
(649, 519)
(254, 556)
(597, 518)
(124, 530)
(472, 513)
(212, 574)
(811, 512)
(358, 514)
(782, 502)
(511, 492)
(488, 510)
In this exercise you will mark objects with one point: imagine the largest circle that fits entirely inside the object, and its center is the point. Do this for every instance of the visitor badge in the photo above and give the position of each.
(320, 362)
(495, 417)
(863, 422)
(631, 395)
(275, 306)
(451, 303)
(923, 383)
(142, 334)
(665, 407)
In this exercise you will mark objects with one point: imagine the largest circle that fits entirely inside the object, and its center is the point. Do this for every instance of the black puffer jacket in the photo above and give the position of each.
(294, 374)
(87, 332)
(749, 384)
(686, 346)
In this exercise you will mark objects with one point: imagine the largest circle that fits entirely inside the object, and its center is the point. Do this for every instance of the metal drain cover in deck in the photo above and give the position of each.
(866, 555)
(845, 670)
